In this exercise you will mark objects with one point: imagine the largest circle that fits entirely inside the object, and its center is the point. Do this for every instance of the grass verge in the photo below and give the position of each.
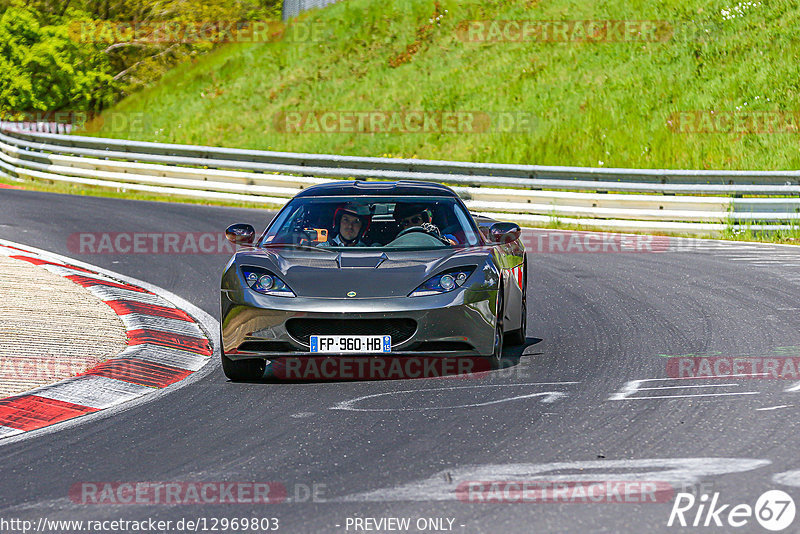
(611, 102)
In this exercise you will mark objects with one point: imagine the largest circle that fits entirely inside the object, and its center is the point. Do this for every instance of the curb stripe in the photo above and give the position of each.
(172, 357)
(87, 281)
(64, 271)
(30, 412)
(39, 261)
(6, 431)
(517, 274)
(17, 248)
(125, 307)
(174, 341)
(139, 372)
(137, 321)
(105, 293)
(93, 391)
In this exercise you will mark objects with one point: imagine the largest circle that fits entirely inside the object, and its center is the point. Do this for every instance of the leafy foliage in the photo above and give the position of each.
(41, 68)
(46, 63)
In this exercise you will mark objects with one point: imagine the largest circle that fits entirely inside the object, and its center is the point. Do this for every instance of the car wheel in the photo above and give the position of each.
(517, 337)
(243, 370)
(497, 353)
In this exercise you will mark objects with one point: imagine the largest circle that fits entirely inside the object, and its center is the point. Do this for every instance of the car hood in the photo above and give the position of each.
(369, 274)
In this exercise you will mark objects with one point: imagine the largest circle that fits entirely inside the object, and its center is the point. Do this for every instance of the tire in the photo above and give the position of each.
(496, 359)
(243, 370)
(517, 337)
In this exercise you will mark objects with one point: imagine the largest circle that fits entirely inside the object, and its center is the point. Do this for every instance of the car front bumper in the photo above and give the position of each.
(462, 322)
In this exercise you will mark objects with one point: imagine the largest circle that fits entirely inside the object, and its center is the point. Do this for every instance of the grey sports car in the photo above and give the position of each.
(387, 270)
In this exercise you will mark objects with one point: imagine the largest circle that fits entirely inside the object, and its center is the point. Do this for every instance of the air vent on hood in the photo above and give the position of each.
(361, 260)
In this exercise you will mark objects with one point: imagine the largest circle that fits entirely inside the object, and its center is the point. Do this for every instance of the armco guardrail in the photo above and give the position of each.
(676, 200)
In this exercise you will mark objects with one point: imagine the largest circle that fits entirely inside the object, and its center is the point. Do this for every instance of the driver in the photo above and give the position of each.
(419, 215)
(350, 223)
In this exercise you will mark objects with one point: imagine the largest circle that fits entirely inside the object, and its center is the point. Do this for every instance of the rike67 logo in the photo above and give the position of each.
(774, 510)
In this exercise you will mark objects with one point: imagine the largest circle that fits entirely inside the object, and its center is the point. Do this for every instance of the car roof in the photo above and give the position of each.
(364, 188)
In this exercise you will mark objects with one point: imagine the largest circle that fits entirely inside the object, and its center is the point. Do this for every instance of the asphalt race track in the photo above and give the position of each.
(596, 323)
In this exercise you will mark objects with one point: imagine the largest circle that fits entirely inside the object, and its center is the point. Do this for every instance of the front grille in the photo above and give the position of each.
(442, 346)
(400, 329)
(266, 346)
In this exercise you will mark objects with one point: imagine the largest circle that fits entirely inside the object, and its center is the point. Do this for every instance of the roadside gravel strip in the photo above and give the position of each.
(165, 344)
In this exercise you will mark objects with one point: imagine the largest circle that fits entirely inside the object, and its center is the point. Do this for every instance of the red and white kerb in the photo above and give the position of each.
(516, 273)
(165, 346)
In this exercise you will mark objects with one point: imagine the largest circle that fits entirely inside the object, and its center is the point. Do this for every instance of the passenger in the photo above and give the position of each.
(411, 215)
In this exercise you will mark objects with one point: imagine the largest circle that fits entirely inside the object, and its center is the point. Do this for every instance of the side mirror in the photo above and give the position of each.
(504, 232)
(241, 234)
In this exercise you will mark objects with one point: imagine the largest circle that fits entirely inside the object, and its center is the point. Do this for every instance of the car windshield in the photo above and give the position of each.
(382, 223)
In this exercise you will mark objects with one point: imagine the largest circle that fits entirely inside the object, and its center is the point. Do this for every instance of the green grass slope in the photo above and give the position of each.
(593, 103)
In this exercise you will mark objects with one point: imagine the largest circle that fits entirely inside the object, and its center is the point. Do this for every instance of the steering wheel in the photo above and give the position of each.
(429, 229)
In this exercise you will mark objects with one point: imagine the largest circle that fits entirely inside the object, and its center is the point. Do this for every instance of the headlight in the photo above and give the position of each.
(265, 282)
(443, 282)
